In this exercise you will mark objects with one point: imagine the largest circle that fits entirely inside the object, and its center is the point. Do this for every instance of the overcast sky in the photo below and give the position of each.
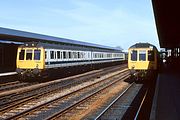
(106, 22)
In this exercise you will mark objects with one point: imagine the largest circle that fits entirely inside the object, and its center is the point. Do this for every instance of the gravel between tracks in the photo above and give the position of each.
(53, 96)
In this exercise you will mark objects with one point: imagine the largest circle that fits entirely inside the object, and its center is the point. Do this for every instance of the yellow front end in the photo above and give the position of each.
(30, 58)
(140, 59)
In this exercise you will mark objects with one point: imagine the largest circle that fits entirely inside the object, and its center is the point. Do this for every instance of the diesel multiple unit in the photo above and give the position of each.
(142, 58)
(35, 59)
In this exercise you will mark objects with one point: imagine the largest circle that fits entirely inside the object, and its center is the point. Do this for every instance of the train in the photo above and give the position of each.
(143, 59)
(37, 59)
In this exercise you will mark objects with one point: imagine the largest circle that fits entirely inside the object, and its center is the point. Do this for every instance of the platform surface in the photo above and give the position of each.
(166, 102)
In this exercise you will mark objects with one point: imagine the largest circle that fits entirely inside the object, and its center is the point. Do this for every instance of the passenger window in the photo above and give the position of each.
(69, 54)
(52, 54)
(82, 55)
(28, 54)
(78, 54)
(55, 55)
(74, 55)
(45, 54)
(64, 54)
(58, 54)
(151, 55)
(134, 55)
(37, 54)
(61, 55)
(142, 55)
(21, 55)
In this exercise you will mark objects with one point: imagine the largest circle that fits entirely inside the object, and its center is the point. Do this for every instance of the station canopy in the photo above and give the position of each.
(167, 17)
(22, 37)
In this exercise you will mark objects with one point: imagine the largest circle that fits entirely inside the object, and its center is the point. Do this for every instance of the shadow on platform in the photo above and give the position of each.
(166, 103)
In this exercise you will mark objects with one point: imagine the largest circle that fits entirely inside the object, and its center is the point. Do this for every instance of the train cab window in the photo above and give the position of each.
(28, 54)
(134, 55)
(52, 54)
(37, 54)
(142, 55)
(151, 55)
(21, 55)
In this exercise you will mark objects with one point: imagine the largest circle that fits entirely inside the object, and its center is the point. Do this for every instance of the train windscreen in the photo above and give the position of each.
(37, 54)
(142, 55)
(29, 54)
(21, 55)
(134, 55)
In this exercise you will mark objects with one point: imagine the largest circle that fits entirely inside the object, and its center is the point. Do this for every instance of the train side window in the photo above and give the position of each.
(82, 55)
(52, 54)
(21, 55)
(142, 55)
(64, 55)
(78, 54)
(70, 56)
(55, 55)
(37, 54)
(151, 55)
(61, 55)
(67, 55)
(45, 54)
(134, 55)
(75, 55)
(58, 54)
(28, 54)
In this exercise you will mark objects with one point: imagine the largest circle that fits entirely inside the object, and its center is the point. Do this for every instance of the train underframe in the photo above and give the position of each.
(32, 74)
(142, 75)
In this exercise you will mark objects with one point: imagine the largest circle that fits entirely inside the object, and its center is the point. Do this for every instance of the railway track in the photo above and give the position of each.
(30, 99)
(14, 85)
(132, 103)
(85, 102)
(8, 83)
(10, 98)
(139, 111)
(120, 104)
(7, 78)
(27, 110)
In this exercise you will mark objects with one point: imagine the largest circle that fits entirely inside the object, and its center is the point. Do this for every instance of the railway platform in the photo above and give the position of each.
(166, 101)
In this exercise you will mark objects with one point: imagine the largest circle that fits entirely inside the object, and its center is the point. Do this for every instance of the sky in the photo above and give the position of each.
(105, 22)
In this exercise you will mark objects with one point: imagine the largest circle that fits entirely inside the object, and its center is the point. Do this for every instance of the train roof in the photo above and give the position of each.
(22, 36)
(10, 42)
(65, 47)
(143, 45)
